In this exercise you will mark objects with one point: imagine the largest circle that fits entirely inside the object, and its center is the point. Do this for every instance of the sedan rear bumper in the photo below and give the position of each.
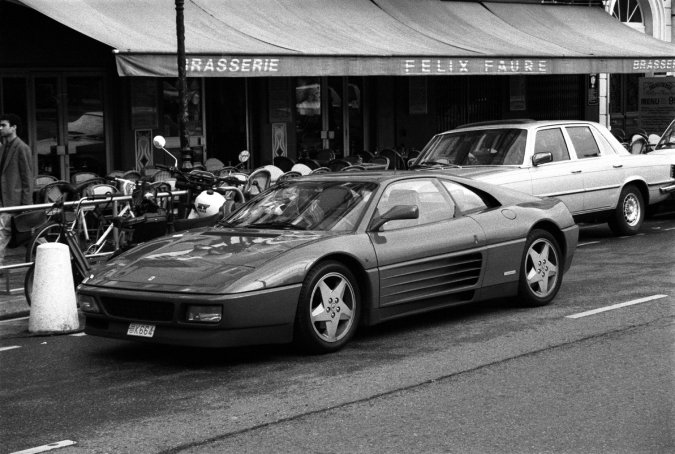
(667, 189)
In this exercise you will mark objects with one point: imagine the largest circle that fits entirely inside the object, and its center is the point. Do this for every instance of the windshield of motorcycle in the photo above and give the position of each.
(306, 205)
(481, 147)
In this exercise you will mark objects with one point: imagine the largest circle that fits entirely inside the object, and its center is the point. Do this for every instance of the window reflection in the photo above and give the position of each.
(308, 115)
(171, 106)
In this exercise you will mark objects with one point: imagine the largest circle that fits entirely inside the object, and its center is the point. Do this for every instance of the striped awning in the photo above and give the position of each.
(263, 38)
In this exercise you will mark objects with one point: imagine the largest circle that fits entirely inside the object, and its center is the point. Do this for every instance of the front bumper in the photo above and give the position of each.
(261, 317)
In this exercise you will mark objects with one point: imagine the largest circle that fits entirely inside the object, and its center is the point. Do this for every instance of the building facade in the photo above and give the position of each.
(94, 92)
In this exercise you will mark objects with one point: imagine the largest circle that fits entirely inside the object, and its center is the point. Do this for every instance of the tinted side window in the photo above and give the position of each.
(467, 200)
(552, 141)
(583, 141)
(433, 206)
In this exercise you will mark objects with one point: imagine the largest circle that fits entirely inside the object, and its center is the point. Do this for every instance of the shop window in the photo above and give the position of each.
(627, 11)
(13, 98)
(171, 106)
(308, 124)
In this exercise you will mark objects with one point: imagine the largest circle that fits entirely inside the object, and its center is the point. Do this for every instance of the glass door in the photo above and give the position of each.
(308, 123)
(85, 125)
(334, 129)
(49, 145)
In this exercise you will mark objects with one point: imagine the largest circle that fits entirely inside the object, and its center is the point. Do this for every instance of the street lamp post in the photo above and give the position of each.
(186, 152)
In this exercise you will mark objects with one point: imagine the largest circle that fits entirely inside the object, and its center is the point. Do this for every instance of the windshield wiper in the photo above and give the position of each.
(433, 164)
(285, 225)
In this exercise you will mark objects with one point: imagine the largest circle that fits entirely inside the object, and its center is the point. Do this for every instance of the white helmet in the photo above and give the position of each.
(275, 172)
(206, 204)
(301, 168)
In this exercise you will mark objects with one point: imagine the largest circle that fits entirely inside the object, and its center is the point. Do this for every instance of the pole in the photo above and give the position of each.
(186, 152)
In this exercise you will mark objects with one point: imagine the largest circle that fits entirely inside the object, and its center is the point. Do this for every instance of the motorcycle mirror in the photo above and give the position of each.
(160, 142)
(244, 155)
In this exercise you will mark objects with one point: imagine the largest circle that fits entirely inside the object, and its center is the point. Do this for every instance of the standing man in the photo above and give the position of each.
(16, 175)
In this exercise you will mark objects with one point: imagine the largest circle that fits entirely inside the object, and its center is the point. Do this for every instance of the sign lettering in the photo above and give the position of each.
(475, 66)
(654, 64)
(232, 65)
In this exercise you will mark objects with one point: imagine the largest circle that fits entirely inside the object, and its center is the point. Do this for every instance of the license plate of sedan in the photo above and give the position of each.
(137, 329)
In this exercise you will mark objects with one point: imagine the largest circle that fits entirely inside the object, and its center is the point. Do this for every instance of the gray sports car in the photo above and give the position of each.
(312, 258)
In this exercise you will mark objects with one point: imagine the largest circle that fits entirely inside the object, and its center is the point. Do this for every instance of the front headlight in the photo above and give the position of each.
(204, 314)
(88, 303)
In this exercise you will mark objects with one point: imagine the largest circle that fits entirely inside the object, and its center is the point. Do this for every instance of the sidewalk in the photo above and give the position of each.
(14, 310)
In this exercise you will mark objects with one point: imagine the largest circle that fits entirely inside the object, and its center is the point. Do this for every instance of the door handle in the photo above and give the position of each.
(576, 171)
(617, 166)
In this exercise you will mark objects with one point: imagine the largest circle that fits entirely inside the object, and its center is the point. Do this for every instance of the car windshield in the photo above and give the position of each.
(668, 138)
(306, 205)
(478, 147)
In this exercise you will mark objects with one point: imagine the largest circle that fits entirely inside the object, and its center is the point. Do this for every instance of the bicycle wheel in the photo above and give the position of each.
(28, 283)
(30, 274)
(108, 238)
(50, 233)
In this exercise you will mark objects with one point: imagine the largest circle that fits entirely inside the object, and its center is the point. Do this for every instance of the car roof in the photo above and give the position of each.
(504, 195)
(519, 124)
(386, 176)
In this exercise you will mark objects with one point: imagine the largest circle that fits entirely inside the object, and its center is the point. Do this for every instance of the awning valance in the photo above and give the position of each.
(262, 38)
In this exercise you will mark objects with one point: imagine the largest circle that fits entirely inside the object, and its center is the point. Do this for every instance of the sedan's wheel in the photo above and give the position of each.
(329, 308)
(630, 212)
(542, 268)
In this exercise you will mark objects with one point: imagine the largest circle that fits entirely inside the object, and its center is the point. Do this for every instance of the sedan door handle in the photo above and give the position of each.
(576, 171)
(617, 166)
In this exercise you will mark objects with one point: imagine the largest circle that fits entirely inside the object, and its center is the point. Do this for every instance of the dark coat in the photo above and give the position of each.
(16, 176)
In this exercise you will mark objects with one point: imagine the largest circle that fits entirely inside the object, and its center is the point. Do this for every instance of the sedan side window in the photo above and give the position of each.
(583, 141)
(552, 141)
(432, 204)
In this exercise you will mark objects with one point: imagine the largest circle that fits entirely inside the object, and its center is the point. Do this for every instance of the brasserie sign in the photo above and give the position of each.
(164, 65)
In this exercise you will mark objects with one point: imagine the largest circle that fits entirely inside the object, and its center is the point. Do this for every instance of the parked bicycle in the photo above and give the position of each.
(62, 231)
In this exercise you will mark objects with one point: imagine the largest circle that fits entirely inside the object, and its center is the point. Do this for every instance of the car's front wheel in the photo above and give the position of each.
(630, 212)
(329, 308)
(541, 269)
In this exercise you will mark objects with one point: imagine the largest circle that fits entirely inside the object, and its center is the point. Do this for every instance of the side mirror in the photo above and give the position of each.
(653, 139)
(396, 213)
(244, 155)
(541, 158)
(160, 142)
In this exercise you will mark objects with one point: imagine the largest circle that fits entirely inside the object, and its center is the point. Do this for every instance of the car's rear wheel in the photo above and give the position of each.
(630, 212)
(541, 269)
(329, 308)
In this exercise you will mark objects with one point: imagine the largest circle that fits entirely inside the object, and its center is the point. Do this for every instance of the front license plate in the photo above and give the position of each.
(137, 329)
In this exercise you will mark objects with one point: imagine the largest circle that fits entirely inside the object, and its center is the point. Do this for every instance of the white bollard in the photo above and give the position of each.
(53, 304)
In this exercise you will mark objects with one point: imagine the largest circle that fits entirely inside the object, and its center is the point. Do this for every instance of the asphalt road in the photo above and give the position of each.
(490, 377)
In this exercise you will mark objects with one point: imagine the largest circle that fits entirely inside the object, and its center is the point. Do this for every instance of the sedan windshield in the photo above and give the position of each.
(306, 205)
(484, 147)
(668, 138)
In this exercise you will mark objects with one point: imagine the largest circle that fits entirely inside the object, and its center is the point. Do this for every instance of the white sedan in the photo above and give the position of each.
(579, 162)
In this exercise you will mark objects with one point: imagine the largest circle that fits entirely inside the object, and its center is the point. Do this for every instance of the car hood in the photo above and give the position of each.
(203, 261)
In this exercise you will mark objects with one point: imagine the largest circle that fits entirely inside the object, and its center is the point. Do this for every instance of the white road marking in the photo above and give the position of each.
(617, 306)
(11, 347)
(587, 243)
(45, 448)
(10, 320)
(669, 229)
